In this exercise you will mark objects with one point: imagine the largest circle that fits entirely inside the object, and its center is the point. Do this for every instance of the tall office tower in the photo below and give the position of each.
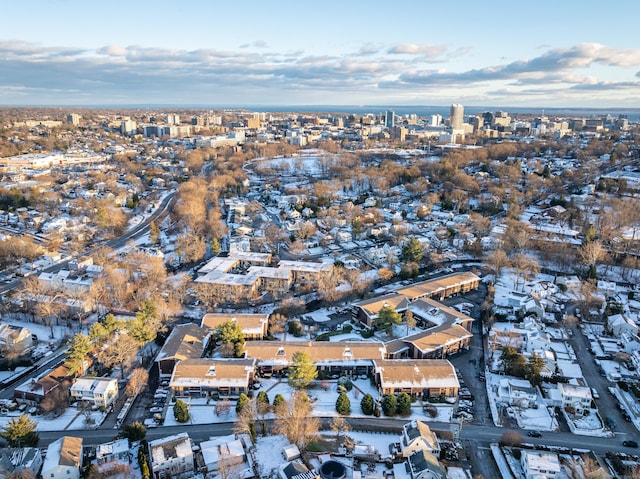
(73, 118)
(390, 119)
(435, 120)
(128, 127)
(456, 116)
(173, 119)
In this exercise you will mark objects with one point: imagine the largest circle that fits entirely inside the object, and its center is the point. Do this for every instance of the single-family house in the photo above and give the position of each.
(113, 452)
(577, 397)
(15, 339)
(63, 459)
(517, 392)
(417, 436)
(15, 460)
(424, 465)
(98, 391)
(172, 457)
(226, 454)
(619, 324)
(538, 464)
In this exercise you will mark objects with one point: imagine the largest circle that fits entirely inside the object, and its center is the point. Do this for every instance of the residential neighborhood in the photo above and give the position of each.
(238, 294)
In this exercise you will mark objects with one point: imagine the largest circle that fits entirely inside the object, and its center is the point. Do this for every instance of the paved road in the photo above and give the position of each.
(115, 243)
(43, 366)
(479, 434)
(607, 404)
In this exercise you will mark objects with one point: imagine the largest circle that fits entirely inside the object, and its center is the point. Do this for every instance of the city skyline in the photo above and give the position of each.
(73, 53)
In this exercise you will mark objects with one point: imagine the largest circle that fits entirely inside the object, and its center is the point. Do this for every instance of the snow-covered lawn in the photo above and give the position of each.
(323, 394)
(538, 419)
(71, 419)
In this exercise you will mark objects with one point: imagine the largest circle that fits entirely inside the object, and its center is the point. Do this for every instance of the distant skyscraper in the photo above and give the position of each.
(128, 127)
(456, 116)
(173, 119)
(435, 120)
(390, 119)
(73, 118)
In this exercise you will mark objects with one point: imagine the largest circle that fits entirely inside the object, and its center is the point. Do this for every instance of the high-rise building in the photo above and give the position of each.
(435, 120)
(456, 116)
(173, 119)
(128, 127)
(73, 118)
(390, 119)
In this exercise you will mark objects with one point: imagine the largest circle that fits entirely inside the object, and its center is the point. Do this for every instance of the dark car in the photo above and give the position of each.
(626, 416)
(609, 422)
(630, 443)
(534, 434)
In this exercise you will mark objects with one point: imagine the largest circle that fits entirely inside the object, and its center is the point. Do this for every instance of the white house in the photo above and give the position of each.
(417, 436)
(619, 324)
(172, 457)
(517, 392)
(63, 459)
(577, 397)
(225, 454)
(98, 391)
(539, 464)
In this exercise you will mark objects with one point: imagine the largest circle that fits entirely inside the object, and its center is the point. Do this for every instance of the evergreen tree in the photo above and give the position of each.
(387, 317)
(389, 405)
(412, 251)
(278, 400)
(231, 333)
(79, 347)
(404, 404)
(215, 246)
(262, 403)
(181, 411)
(20, 432)
(367, 404)
(135, 431)
(343, 404)
(243, 402)
(301, 370)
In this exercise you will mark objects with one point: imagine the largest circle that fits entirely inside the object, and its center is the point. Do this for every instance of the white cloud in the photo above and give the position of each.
(374, 73)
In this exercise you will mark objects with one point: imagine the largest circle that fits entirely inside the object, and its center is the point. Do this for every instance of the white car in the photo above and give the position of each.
(594, 393)
(156, 410)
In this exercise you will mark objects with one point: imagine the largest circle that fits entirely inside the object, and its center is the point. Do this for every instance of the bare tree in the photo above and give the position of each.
(137, 382)
(339, 426)
(122, 352)
(592, 253)
(294, 420)
(526, 267)
(497, 261)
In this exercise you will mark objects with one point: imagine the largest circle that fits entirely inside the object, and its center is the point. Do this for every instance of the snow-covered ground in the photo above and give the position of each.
(323, 394)
(71, 419)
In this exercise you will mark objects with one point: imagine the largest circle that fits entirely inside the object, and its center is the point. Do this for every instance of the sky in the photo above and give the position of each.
(547, 53)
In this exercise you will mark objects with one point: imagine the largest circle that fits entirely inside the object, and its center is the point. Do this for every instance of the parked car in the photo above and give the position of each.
(534, 434)
(149, 423)
(630, 443)
(594, 393)
(625, 416)
(156, 409)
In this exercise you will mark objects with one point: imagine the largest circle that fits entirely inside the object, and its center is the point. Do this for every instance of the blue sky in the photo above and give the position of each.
(538, 54)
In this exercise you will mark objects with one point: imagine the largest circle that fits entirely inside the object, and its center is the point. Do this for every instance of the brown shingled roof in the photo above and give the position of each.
(71, 451)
